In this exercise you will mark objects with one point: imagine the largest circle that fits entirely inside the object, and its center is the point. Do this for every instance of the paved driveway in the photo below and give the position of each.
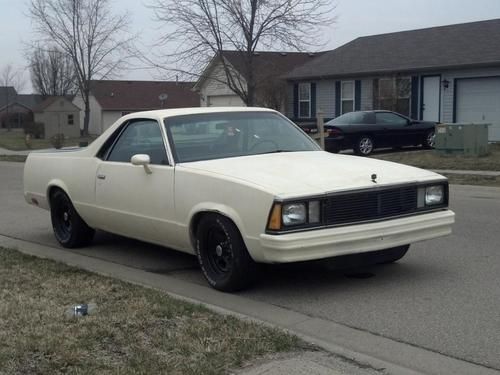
(443, 296)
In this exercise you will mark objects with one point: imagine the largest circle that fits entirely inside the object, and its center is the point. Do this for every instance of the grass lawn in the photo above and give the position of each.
(16, 158)
(15, 140)
(430, 159)
(135, 330)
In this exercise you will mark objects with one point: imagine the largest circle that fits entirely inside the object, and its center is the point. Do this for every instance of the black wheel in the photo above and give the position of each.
(389, 255)
(69, 228)
(430, 139)
(364, 146)
(222, 254)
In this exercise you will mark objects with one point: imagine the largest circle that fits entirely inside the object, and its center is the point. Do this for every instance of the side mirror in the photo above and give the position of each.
(142, 159)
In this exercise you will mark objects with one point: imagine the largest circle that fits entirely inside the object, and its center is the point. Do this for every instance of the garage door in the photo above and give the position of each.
(478, 100)
(224, 101)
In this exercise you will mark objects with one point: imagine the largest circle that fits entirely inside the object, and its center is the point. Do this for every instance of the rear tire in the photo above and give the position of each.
(222, 254)
(364, 146)
(429, 140)
(69, 228)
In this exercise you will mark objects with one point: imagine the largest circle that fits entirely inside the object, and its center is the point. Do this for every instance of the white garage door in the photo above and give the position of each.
(225, 101)
(478, 100)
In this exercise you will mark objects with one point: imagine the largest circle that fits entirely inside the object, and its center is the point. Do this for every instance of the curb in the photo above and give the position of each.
(361, 346)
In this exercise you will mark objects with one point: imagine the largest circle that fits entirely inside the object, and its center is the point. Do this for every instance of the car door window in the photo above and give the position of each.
(139, 137)
(390, 119)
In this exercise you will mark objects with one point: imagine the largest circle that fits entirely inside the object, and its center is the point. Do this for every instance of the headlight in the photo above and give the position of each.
(434, 195)
(294, 214)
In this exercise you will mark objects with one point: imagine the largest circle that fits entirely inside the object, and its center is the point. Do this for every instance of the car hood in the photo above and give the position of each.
(310, 173)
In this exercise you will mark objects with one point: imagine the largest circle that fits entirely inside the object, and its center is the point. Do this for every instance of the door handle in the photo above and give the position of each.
(101, 176)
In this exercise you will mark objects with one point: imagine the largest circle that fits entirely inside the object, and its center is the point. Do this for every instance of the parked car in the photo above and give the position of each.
(365, 131)
(235, 187)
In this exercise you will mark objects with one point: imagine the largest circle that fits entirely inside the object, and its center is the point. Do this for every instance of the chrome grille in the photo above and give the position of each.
(369, 205)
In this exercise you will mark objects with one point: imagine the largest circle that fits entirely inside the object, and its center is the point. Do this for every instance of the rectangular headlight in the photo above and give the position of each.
(294, 214)
(434, 195)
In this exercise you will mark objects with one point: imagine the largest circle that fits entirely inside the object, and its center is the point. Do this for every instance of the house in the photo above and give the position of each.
(16, 109)
(268, 67)
(109, 100)
(59, 116)
(447, 73)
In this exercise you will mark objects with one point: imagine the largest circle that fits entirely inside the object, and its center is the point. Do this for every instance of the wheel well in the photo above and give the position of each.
(195, 221)
(52, 189)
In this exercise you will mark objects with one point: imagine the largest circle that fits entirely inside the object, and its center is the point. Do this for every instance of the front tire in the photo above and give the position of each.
(391, 255)
(222, 254)
(69, 228)
(364, 146)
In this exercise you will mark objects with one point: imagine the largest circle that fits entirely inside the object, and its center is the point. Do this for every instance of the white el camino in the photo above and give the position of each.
(235, 187)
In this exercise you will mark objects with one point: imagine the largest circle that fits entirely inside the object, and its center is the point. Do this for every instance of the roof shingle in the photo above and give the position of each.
(461, 45)
(143, 95)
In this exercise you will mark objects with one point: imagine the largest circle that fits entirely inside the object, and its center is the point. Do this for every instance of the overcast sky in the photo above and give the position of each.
(354, 18)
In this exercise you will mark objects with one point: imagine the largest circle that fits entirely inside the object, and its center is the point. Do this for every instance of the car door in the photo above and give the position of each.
(394, 129)
(131, 201)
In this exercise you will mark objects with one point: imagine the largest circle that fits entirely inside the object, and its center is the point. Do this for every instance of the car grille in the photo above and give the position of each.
(369, 205)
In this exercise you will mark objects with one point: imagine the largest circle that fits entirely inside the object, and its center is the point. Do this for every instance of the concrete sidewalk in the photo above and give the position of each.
(366, 352)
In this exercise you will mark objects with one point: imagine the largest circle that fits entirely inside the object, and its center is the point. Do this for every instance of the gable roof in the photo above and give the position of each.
(9, 97)
(267, 64)
(48, 101)
(462, 45)
(143, 95)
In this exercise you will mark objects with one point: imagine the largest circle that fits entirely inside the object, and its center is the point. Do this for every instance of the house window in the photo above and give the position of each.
(305, 100)
(71, 119)
(347, 97)
(394, 94)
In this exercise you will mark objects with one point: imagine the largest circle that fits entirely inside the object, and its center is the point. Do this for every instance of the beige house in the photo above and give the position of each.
(59, 116)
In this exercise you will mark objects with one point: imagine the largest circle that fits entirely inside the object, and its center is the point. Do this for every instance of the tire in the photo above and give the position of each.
(69, 228)
(364, 145)
(390, 255)
(429, 140)
(222, 254)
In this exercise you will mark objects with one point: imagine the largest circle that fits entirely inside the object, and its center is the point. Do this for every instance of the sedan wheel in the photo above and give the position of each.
(364, 146)
(222, 254)
(69, 228)
(430, 139)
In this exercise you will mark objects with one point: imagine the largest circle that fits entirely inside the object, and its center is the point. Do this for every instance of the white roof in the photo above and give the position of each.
(162, 113)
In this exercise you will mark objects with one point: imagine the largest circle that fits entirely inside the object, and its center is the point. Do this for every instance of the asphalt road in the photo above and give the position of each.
(443, 296)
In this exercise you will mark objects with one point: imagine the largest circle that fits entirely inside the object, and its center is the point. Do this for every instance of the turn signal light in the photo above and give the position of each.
(275, 218)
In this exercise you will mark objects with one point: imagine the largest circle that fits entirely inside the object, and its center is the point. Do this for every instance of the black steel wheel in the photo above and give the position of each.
(69, 228)
(364, 146)
(222, 254)
(430, 139)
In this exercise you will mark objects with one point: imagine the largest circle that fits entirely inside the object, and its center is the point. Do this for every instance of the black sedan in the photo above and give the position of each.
(365, 131)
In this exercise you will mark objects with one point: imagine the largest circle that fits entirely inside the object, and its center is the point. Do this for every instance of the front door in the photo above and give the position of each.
(431, 91)
(130, 201)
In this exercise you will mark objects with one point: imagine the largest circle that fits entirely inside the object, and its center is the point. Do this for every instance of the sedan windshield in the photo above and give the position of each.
(229, 134)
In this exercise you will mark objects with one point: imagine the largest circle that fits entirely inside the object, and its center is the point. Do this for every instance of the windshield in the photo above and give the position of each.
(229, 134)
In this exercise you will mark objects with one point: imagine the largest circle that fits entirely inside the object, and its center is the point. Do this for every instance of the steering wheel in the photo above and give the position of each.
(264, 141)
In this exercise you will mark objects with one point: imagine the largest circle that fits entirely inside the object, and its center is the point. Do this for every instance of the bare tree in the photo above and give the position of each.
(96, 40)
(52, 72)
(206, 28)
(11, 77)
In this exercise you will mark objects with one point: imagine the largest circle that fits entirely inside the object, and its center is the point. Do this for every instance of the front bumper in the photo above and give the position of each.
(353, 239)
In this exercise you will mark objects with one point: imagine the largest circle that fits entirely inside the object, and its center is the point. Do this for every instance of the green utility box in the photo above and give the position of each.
(466, 139)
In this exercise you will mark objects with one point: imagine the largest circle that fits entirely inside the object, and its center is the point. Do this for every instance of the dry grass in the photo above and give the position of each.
(134, 331)
(15, 140)
(467, 179)
(430, 159)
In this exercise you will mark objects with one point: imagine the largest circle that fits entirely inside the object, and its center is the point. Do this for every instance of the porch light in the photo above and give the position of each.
(445, 83)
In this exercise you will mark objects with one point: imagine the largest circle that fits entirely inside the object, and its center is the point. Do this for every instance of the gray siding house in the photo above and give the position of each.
(447, 74)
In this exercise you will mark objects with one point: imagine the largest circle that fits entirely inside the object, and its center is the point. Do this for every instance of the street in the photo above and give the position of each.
(443, 296)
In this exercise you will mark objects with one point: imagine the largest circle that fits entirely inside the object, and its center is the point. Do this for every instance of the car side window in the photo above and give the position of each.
(139, 137)
(390, 119)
